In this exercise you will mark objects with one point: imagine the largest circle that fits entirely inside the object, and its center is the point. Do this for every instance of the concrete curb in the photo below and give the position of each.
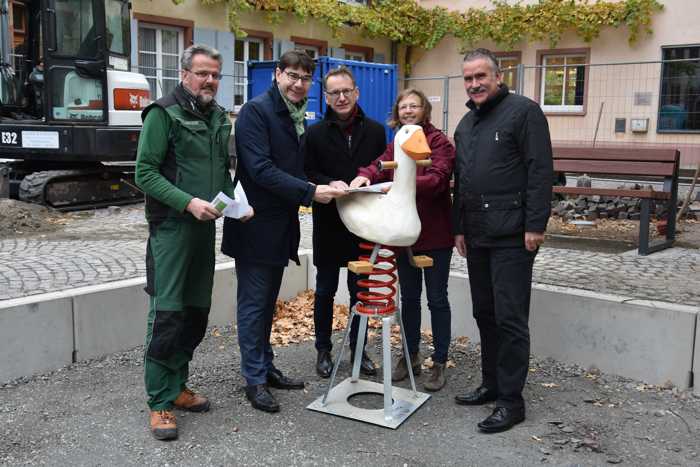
(45, 332)
(640, 339)
(652, 341)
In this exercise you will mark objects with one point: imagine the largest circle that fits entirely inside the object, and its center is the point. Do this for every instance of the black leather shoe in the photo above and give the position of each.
(275, 379)
(502, 419)
(261, 398)
(478, 396)
(324, 364)
(367, 366)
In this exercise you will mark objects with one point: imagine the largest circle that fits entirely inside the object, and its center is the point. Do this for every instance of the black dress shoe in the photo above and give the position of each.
(261, 398)
(478, 396)
(324, 364)
(502, 419)
(275, 379)
(367, 366)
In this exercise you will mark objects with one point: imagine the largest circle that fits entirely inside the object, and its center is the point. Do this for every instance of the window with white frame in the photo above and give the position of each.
(508, 66)
(245, 50)
(160, 48)
(563, 83)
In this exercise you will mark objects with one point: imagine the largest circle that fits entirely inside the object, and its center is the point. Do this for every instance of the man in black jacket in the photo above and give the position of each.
(270, 134)
(503, 186)
(335, 148)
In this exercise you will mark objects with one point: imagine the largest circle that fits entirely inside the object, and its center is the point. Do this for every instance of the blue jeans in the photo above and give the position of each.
(258, 287)
(326, 287)
(410, 280)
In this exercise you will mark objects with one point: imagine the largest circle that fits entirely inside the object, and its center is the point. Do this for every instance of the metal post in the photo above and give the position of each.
(339, 358)
(359, 348)
(386, 354)
(445, 103)
(644, 228)
(406, 354)
(521, 78)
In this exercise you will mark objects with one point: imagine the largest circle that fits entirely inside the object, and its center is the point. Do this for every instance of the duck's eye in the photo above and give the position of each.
(406, 131)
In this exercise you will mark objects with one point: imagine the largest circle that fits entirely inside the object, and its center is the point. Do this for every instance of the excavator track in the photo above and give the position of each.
(70, 190)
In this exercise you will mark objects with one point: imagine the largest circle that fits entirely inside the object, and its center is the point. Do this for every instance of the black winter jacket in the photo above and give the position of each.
(271, 170)
(503, 175)
(329, 157)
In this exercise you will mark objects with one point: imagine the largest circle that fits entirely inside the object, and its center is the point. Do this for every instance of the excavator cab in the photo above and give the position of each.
(69, 104)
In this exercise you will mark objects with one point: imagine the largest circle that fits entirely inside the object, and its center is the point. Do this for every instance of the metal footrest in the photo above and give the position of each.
(405, 402)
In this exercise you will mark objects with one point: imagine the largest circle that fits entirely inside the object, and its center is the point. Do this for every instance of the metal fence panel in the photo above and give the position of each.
(640, 104)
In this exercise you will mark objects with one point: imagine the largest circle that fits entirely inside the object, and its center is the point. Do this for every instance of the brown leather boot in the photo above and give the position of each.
(401, 371)
(163, 424)
(191, 401)
(437, 380)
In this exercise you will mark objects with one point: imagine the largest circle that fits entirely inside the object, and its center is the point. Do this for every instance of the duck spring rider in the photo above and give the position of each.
(388, 221)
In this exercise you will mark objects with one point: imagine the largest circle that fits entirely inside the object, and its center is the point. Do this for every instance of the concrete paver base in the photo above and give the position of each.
(649, 340)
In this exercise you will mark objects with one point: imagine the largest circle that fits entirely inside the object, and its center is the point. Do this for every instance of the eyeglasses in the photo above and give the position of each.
(338, 92)
(293, 77)
(410, 107)
(215, 75)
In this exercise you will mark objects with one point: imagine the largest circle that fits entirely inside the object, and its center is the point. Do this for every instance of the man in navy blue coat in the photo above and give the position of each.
(270, 132)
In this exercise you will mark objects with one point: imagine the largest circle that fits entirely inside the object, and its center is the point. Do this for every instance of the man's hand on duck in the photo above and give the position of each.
(339, 184)
(325, 193)
(359, 181)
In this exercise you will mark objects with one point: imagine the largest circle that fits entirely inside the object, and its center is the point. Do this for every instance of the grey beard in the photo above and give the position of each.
(204, 101)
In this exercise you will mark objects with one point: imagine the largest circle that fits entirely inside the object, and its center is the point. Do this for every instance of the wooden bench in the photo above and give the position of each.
(628, 163)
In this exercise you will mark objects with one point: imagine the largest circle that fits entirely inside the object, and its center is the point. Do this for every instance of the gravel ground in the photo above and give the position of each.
(93, 413)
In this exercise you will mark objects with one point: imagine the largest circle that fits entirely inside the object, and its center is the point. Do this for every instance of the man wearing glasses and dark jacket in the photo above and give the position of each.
(336, 148)
(270, 133)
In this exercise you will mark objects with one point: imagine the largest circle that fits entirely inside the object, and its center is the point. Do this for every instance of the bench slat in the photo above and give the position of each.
(572, 190)
(620, 154)
(660, 169)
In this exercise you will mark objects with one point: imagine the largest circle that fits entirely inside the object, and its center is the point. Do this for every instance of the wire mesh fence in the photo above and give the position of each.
(639, 104)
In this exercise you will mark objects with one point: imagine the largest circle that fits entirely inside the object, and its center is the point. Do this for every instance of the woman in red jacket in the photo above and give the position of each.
(434, 204)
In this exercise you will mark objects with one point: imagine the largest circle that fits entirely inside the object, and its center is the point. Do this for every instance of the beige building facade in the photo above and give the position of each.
(607, 90)
(161, 30)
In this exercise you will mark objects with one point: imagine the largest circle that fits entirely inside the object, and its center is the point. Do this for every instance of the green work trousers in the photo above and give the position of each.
(180, 274)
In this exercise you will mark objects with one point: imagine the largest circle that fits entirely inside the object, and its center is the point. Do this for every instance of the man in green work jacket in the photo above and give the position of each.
(182, 164)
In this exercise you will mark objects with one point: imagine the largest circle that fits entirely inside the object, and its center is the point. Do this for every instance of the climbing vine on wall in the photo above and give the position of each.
(405, 21)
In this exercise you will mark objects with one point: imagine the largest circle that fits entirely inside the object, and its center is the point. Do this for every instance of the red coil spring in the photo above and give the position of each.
(375, 302)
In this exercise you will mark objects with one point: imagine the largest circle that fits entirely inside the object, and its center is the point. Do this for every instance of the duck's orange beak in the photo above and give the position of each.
(416, 147)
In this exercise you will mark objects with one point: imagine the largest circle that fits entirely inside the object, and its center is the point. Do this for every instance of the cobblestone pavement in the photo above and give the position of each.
(109, 244)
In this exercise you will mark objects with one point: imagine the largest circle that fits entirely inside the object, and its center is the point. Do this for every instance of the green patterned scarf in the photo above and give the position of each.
(297, 112)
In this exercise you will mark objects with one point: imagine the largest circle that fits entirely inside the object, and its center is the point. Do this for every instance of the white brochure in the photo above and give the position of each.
(378, 188)
(235, 208)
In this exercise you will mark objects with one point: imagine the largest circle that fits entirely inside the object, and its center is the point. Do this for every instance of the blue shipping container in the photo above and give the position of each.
(376, 81)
